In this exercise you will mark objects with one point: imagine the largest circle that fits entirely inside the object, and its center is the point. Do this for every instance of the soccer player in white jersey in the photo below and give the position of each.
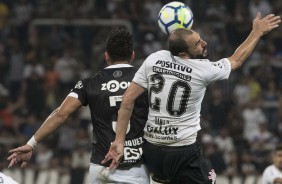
(102, 92)
(273, 173)
(4, 179)
(176, 81)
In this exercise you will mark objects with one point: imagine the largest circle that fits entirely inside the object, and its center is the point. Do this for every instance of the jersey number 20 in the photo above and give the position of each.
(157, 88)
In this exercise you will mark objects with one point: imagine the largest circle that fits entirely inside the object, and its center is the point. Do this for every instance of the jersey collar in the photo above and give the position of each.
(119, 66)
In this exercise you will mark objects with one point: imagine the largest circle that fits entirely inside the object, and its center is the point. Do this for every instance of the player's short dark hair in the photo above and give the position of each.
(119, 45)
(278, 147)
(176, 42)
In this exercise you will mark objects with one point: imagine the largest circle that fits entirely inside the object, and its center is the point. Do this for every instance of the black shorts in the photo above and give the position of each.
(175, 165)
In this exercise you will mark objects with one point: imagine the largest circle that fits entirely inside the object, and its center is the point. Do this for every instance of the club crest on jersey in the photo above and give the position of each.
(114, 85)
(117, 74)
(79, 85)
(217, 64)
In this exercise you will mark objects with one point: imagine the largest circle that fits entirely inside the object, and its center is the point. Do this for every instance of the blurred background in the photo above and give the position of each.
(46, 46)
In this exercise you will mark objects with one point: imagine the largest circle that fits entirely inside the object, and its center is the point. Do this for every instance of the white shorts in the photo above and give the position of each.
(130, 175)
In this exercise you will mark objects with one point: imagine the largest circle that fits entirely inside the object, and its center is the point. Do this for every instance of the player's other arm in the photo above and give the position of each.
(126, 108)
(261, 26)
(116, 150)
(56, 119)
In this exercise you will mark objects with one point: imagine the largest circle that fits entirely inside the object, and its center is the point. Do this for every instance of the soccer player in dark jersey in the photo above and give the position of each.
(176, 81)
(102, 92)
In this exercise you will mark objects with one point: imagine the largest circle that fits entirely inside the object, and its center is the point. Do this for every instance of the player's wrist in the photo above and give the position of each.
(32, 142)
(257, 33)
(119, 140)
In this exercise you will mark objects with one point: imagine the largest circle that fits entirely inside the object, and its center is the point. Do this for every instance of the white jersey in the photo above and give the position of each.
(176, 89)
(4, 179)
(269, 174)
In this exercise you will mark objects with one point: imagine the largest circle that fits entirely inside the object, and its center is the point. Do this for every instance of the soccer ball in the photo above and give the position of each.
(175, 15)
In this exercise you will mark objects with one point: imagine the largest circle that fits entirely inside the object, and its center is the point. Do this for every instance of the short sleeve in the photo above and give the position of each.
(267, 176)
(79, 92)
(140, 77)
(219, 70)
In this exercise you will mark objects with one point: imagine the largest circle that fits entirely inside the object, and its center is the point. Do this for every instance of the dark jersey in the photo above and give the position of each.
(103, 94)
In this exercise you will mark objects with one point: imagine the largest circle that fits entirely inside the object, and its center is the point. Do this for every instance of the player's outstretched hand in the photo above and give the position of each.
(115, 154)
(20, 155)
(265, 24)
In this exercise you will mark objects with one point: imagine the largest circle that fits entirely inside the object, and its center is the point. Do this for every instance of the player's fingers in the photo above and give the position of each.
(12, 162)
(25, 148)
(24, 164)
(258, 15)
(113, 164)
(274, 26)
(275, 19)
(14, 150)
(108, 157)
(12, 156)
(105, 160)
(19, 149)
(269, 16)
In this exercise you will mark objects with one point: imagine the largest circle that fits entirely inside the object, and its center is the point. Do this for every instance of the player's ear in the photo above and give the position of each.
(107, 58)
(183, 55)
(132, 57)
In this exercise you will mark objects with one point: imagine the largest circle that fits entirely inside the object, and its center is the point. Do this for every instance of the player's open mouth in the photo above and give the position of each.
(205, 53)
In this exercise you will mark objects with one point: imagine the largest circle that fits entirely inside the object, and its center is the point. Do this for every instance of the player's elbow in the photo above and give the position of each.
(127, 98)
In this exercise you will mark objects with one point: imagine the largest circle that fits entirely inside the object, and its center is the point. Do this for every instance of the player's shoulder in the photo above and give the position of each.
(269, 168)
(208, 64)
(163, 52)
(201, 63)
(83, 82)
(160, 53)
(200, 60)
(91, 77)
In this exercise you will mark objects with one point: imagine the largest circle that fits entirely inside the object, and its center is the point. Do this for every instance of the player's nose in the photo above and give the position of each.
(204, 44)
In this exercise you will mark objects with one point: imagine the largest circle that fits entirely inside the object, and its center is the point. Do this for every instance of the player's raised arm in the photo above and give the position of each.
(116, 150)
(23, 153)
(261, 26)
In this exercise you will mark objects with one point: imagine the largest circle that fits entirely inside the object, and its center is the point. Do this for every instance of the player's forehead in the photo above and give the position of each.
(193, 38)
(278, 153)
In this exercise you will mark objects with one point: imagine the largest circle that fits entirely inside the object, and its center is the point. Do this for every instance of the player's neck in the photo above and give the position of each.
(184, 55)
(119, 62)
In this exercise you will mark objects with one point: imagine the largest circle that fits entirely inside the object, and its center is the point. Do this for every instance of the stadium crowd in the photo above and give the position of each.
(241, 119)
